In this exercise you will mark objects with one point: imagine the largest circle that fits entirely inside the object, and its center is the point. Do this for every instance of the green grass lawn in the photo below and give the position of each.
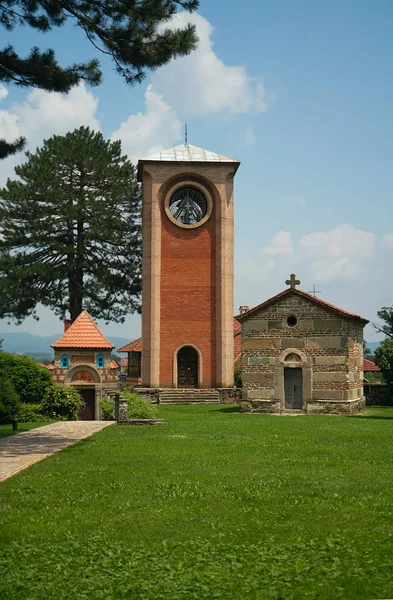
(6, 430)
(214, 504)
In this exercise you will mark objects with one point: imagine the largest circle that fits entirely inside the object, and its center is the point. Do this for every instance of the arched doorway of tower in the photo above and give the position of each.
(187, 367)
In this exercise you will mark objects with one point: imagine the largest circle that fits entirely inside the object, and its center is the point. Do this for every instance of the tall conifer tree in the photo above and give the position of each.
(70, 235)
(131, 33)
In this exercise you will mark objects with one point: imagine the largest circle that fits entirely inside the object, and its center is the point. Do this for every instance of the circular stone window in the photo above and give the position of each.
(188, 206)
(291, 321)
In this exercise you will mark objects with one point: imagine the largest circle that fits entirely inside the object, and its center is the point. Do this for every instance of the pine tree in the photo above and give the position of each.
(130, 33)
(70, 235)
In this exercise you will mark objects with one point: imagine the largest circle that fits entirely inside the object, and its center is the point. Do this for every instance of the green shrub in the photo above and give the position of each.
(138, 407)
(31, 413)
(108, 408)
(9, 399)
(238, 375)
(62, 402)
(30, 381)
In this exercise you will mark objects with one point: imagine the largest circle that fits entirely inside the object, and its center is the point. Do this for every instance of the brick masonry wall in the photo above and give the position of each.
(188, 295)
(331, 345)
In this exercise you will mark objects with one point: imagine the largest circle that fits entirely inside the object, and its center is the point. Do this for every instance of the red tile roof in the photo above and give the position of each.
(114, 365)
(83, 333)
(368, 365)
(244, 316)
(50, 367)
(135, 346)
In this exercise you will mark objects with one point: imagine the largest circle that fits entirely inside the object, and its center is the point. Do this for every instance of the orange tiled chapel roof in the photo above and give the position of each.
(83, 333)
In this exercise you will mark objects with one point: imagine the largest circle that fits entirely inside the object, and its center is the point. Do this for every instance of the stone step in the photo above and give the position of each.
(189, 396)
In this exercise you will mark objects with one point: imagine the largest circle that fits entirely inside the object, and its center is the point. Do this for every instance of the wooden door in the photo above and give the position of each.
(89, 411)
(293, 386)
(187, 368)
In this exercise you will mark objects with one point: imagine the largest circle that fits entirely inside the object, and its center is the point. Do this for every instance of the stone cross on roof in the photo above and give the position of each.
(292, 281)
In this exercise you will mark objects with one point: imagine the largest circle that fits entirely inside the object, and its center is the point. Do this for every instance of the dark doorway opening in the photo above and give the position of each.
(293, 386)
(88, 413)
(187, 367)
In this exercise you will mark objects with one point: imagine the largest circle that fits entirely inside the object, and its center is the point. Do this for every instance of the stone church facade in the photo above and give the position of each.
(301, 354)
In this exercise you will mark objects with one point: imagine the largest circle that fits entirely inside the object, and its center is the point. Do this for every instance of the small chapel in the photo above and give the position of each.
(83, 360)
(301, 355)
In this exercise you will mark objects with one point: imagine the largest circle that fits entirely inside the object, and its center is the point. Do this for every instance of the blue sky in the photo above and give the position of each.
(301, 93)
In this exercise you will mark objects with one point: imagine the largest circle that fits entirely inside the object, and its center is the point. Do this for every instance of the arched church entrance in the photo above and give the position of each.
(187, 367)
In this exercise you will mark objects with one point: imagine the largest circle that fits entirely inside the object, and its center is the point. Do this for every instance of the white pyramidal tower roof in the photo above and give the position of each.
(189, 153)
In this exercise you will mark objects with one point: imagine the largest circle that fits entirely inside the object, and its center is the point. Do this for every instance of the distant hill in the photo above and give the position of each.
(371, 345)
(27, 343)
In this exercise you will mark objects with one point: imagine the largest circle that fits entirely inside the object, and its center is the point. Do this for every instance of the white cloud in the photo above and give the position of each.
(145, 133)
(337, 254)
(280, 244)
(351, 267)
(3, 92)
(387, 240)
(202, 83)
(249, 137)
(299, 201)
(42, 115)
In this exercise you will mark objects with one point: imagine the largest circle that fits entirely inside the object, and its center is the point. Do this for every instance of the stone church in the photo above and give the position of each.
(301, 354)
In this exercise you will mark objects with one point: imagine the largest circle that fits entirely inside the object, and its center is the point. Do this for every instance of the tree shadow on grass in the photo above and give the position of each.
(229, 409)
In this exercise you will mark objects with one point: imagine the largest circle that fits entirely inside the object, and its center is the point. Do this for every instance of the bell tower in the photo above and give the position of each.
(187, 272)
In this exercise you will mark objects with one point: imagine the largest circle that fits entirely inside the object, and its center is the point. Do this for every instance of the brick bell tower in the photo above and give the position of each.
(187, 272)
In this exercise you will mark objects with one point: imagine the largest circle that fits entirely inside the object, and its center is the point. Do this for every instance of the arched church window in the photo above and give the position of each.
(65, 360)
(100, 361)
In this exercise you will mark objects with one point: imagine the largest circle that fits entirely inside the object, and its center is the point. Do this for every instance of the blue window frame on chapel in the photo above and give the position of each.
(100, 362)
(65, 359)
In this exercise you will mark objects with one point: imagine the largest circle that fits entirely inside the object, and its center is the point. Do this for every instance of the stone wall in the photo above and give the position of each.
(150, 394)
(227, 395)
(230, 395)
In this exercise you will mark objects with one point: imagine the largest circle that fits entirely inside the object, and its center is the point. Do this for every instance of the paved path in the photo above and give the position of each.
(24, 449)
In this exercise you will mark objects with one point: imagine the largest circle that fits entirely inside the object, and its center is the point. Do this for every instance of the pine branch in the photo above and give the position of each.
(10, 148)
